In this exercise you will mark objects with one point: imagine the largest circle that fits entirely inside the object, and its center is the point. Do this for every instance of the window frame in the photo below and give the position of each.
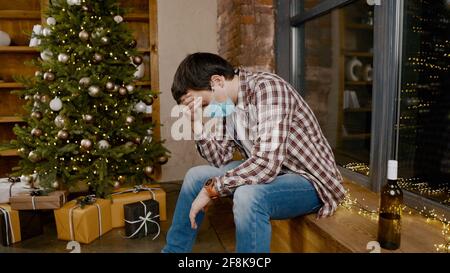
(388, 33)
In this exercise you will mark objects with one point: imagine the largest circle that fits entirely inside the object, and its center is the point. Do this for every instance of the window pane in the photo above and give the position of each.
(424, 116)
(337, 80)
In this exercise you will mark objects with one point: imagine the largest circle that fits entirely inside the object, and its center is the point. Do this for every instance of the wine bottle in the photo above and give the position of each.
(389, 223)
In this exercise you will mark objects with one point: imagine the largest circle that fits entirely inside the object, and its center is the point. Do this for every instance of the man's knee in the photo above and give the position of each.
(245, 199)
(195, 176)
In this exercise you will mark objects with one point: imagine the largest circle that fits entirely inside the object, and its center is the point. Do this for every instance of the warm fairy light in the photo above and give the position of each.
(431, 216)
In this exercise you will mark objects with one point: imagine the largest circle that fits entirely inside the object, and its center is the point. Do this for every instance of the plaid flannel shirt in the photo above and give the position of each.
(286, 137)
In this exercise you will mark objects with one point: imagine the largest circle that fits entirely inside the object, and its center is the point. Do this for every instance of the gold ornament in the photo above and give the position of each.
(34, 156)
(36, 132)
(85, 82)
(122, 91)
(84, 35)
(163, 160)
(121, 179)
(60, 121)
(94, 91)
(116, 185)
(63, 135)
(36, 115)
(148, 170)
(88, 118)
(137, 60)
(49, 76)
(45, 99)
(129, 120)
(109, 86)
(98, 58)
(55, 184)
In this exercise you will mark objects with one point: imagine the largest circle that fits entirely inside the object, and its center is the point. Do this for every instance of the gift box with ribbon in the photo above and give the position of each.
(11, 186)
(142, 219)
(38, 199)
(124, 196)
(83, 220)
(9, 225)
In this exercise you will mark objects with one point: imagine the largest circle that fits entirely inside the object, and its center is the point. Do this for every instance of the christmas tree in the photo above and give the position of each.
(86, 117)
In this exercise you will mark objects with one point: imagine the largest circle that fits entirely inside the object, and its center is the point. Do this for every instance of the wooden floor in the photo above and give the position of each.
(346, 231)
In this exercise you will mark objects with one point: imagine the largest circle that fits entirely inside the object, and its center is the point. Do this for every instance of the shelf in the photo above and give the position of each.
(10, 85)
(359, 26)
(358, 53)
(356, 136)
(138, 17)
(10, 119)
(144, 50)
(358, 83)
(11, 152)
(18, 49)
(358, 110)
(20, 14)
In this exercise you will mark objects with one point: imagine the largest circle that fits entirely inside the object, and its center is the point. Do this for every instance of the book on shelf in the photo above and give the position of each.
(351, 100)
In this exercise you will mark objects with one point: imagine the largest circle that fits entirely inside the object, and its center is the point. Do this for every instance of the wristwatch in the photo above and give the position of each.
(210, 189)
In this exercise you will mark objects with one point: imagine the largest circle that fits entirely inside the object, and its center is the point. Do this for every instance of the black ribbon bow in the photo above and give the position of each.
(86, 200)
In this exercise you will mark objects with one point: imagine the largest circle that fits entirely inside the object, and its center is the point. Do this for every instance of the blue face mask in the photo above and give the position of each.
(220, 109)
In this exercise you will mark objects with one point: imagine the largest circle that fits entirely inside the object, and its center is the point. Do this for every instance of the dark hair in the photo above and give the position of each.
(195, 73)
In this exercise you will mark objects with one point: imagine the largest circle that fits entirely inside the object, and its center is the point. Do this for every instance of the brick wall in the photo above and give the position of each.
(246, 33)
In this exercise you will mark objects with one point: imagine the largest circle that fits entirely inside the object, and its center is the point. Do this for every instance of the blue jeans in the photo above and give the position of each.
(288, 196)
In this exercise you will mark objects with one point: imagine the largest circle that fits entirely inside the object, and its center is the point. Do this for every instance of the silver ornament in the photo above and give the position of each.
(85, 81)
(46, 55)
(109, 86)
(104, 40)
(63, 135)
(88, 118)
(148, 170)
(51, 21)
(118, 19)
(116, 88)
(60, 121)
(129, 120)
(37, 97)
(130, 88)
(49, 76)
(103, 144)
(140, 107)
(63, 58)
(94, 91)
(34, 156)
(86, 144)
(56, 104)
(46, 32)
(84, 35)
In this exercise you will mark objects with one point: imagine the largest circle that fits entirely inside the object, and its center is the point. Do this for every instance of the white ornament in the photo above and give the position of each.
(103, 144)
(56, 104)
(62, 57)
(46, 55)
(118, 19)
(5, 40)
(46, 32)
(74, 2)
(139, 74)
(140, 107)
(51, 21)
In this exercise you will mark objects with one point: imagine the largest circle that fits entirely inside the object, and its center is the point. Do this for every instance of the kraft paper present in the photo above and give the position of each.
(24, 201)
(86, 226)
(9, 225)
(119, 199)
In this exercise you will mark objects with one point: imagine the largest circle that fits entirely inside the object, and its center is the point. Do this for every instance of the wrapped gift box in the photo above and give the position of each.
(31, 224)
(130, 195)
(8, 189)
(9, 225)
(25, 201)
(84, 225)
(142, 219)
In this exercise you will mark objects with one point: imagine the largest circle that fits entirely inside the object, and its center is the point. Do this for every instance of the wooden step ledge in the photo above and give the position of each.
(350, 231)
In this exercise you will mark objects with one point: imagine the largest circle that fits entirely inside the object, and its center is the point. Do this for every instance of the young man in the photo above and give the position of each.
(289, 167)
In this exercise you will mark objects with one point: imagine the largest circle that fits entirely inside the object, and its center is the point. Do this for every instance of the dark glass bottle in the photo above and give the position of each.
(389, 223)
